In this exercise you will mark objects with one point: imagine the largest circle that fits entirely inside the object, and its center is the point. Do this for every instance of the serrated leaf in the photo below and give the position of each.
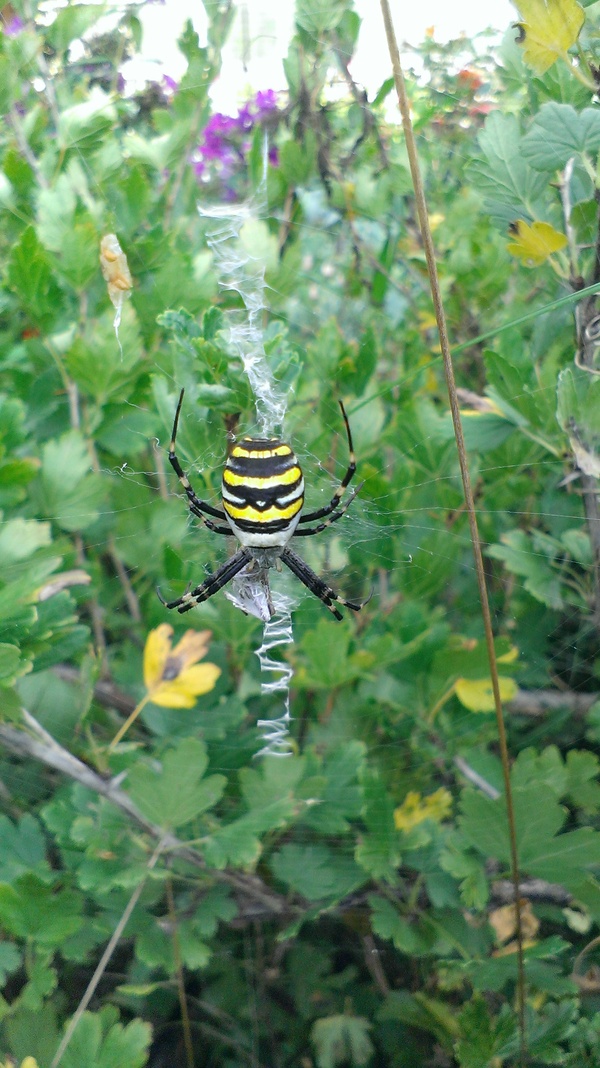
(387, 922)
(520, 557)
(177, 793)
(534, 244)
(543, 852)
(30, 276)
(29, 909)
(19, 538)
(481, 1036)
(377, 851)
(558, 132)
(10, 960)
(82, 125)
(316, 872)
(116, 1046)
(510, 186)
(317, 18)
(339, 797)
(22, 849)
(342, 1039)
(548, 28)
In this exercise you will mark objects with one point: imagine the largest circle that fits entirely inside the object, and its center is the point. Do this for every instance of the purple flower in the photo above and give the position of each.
(212, 147)
(266, 101)
(273, 155)
(245, 118)
(220, 124)
(225, 143)
(14, 26)
(169, 83)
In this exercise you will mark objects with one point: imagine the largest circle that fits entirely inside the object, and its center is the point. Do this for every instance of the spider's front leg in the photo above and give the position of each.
(197, 506)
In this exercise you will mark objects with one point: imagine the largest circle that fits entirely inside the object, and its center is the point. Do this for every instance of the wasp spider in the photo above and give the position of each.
(263, 493)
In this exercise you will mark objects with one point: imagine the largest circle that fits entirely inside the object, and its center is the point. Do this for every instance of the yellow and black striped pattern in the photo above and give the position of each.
(263, 491)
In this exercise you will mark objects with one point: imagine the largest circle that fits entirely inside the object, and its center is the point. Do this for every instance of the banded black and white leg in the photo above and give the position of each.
(197, 507)
(316, 585)
(212, 583)
(331, 509)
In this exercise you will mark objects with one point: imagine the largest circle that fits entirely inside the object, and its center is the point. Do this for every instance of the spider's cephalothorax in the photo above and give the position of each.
(263, 494)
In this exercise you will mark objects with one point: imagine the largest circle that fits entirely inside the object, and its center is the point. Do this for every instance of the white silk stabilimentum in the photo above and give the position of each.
(244, 273)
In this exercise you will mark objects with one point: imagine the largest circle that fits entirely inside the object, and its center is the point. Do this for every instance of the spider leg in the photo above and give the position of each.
(212, 584)
(216, 529)
(332, 518)
(201, 506)
(320, 513)
(316, 585)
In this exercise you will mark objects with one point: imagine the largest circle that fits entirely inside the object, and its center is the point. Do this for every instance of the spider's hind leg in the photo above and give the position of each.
(316, 585)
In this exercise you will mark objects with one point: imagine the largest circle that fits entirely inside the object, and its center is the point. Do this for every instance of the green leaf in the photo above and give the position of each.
(558, 133)
(31, 910)
(97, 1042)
(542, 851)
(426, 1013)
(10, 960)
(274, 781)
(388, 922)
(577, 410)
(19, 538)
(30, 276)
(71, 22)
(317, 18)
(67, 490)
(342, 1039)
(519, 555)
(316, 872)
(42, 981)
(327, 657)
(339, 794)
(11, 665)
(82, 125)
(297, 161)
(510, 186)
(378, 851)
(178, 793)
(22, 850)
(482, 1036)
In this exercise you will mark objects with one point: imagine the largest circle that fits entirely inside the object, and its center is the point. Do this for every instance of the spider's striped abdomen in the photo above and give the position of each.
(263, 491)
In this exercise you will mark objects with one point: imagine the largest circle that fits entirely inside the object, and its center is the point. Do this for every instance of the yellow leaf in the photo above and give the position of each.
(504, 921)
(477, 694)
(534, 244)
(415, 809)
(548, 29)
(510, 656)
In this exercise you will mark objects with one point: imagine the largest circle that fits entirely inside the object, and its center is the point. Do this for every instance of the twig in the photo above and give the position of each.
(475, 778)
(373, 962)
(536, 703)
(503, 892)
